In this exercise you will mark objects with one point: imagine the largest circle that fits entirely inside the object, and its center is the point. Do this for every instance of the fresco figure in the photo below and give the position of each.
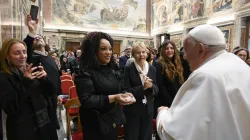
(220, 5)
(118, 13)
(196, 8)
(125, 15)
(177, 12)
(239, 3)
(161, 12)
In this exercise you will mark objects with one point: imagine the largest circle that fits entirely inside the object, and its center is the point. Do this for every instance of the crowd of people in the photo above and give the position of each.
(199, 92)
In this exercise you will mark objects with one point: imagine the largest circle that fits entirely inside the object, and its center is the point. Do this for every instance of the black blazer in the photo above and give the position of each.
(133, 84)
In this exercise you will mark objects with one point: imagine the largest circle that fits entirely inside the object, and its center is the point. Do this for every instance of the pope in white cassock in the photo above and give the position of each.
(214, 103)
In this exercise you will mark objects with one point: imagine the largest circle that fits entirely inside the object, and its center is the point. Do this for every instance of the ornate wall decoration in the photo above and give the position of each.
(148, 43)
(127, 15)
(177, 11)
(221, 5)
(228, 34)
(177, 39)
(53, 41)
(160, 13)
(195, 8)
(241, 3)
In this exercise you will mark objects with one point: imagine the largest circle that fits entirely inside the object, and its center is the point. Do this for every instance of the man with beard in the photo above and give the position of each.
(37, 52)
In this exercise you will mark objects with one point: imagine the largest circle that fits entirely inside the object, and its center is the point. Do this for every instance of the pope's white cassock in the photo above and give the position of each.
(213, 104)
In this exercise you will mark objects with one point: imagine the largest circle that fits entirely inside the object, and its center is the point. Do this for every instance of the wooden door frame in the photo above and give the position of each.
(119, 42)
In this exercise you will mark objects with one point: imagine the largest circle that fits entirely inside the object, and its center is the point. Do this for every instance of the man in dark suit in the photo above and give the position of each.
(123, 59)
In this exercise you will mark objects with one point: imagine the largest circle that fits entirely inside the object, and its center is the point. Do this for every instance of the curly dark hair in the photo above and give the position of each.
(90, 47)
(171, 67)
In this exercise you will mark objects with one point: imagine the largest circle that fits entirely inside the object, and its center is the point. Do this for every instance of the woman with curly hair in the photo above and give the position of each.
(169, 73)
(99, 89)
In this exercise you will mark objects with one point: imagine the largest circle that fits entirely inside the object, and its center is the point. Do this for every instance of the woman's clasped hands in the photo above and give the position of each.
(148, 83)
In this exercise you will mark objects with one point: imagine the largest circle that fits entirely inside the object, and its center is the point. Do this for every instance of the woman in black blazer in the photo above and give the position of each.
(140, 80)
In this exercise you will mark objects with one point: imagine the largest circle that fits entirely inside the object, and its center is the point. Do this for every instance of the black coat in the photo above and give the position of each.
(133, 84)
(17, 101)
(167, 87)
(93, 88)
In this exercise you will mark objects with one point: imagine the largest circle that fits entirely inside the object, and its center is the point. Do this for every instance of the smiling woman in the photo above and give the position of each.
(140, 80)
(169, 73)
(105, 52)
(16, 55)
(99, 89)
(23, 108)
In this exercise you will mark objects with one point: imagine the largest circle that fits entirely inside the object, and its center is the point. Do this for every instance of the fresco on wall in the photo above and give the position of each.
(160, 12)
(177, 39)
(240, 3)
(227, 31)
(195, 8)
(148, 43)
(177, 11)
(220, 5)
(227, 35)
(128, 15)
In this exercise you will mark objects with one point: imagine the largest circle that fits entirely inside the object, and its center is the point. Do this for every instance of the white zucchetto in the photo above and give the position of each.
(208, 34)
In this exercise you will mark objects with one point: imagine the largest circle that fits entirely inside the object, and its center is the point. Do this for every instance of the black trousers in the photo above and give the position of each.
(139, 127)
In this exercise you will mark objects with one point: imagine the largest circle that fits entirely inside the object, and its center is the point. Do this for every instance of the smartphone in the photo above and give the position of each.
(36, 61)
(34, 12)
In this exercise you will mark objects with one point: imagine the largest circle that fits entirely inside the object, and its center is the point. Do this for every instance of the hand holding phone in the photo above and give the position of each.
(36, 61)
(34, 12)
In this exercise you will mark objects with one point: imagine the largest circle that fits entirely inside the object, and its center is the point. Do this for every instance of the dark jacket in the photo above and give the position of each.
(75, 65)
(93, 88)
(18, 99)
(65, 66)
(133, 84)
(186, 68)
(122, 61)
(167, 87)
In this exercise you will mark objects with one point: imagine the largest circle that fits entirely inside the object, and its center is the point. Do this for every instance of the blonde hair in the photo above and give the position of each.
(136, 46)
(7, 44)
